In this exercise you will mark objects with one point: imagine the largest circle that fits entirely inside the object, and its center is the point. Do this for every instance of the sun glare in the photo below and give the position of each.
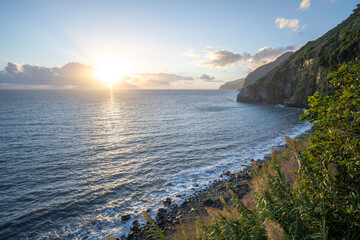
(111, 70)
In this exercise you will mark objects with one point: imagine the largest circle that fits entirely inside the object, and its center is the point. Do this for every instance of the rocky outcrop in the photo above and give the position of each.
(301, 74)
(233, 85)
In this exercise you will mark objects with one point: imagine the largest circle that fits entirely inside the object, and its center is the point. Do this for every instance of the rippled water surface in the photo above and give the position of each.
(72, 162)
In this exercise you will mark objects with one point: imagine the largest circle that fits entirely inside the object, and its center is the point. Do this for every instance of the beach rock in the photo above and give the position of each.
(135, 227)
(125, 217)
(209, 202)
(167, 201)
(162, 210)
(227, 173)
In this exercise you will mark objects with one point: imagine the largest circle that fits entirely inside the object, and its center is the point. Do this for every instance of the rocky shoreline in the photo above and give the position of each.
(171, 215)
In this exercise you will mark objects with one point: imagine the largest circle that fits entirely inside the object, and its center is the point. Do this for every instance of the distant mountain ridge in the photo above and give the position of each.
(301, 74)
(233, 85)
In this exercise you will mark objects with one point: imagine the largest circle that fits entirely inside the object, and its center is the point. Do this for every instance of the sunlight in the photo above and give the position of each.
(111, 70)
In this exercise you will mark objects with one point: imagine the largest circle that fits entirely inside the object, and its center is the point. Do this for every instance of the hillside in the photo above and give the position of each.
(298, 77)
(233, 85)
(263, 70)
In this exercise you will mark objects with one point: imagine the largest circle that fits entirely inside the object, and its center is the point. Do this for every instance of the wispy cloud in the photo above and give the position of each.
(156, 80)
(305, 4)
(222, 59)
(191, 53)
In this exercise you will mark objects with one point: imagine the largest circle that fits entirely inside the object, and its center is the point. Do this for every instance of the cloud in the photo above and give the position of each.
(208, 78)
(75, 74)
(265, 55)
(12, 68)
(209, 48)
(191, 53)
(305, 4)
(71, 74)
(156, 80)
(223, 58)
(293, 24)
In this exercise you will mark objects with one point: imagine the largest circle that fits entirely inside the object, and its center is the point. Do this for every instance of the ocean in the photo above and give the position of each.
(73, 161)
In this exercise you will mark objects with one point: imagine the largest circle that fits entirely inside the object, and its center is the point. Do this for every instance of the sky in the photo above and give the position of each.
(153, 43)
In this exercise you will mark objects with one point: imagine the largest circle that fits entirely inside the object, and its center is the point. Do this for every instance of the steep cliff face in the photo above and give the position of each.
(233, 85)
(304, 72)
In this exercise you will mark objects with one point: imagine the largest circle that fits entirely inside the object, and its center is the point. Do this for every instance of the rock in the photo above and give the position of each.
(162, 210)
(196, 185)
(208, 202)
(148, 210)
(125, 217)
(167, 201)
(135, 226)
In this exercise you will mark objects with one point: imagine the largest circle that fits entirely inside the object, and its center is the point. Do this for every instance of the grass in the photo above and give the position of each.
(289, 165)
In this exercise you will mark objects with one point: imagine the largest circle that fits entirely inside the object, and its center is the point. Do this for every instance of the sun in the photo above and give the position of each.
(111, 70)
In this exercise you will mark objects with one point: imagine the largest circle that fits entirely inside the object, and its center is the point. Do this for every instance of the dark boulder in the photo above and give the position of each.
(125, 217)
(167, 201)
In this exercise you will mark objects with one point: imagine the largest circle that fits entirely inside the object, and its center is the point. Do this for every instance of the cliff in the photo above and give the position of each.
(233, 85)
(300, 75)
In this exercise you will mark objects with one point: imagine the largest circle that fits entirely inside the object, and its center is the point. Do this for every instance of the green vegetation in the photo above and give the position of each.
(311, 190)
(323, 201)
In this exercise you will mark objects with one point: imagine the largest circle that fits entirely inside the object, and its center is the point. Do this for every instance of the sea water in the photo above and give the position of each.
(72, 162)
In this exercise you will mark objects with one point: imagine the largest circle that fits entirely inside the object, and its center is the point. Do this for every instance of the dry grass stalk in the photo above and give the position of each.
(290, 142)
(190, 231)
(258, 184)
(248, 201)
(147, 217)
(273, 230)
(273, 155)
(332, 169)
(229, 189)
(288, 168)
(222, 200)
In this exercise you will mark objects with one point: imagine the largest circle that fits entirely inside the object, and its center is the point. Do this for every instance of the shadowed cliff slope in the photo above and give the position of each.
(265, 69)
